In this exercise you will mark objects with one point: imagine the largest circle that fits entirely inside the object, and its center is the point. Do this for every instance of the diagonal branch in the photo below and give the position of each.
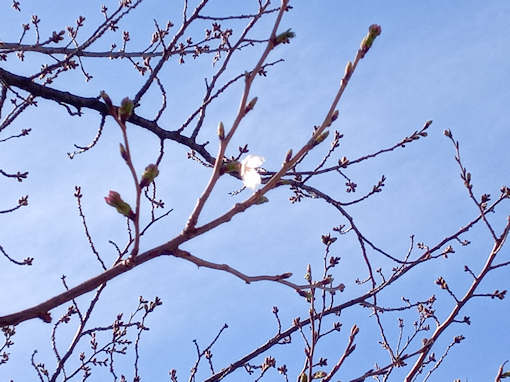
(93, 103)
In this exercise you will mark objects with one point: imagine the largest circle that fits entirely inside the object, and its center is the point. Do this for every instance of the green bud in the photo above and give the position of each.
(113, 199)
(319, 374)
(231, 166)
(321, 137)
(126, 109)
(373, 31)
(151, 172)
(284, 38)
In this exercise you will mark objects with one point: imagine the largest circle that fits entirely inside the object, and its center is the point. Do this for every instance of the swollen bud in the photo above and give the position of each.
(150, 173)
(230, 166)
(221, 131)
(126, 109)
(113, 199)
(374, 30)
(284, 38)
(321, 138)
(319, 374)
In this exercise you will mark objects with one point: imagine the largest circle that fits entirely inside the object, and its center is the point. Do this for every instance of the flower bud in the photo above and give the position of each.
(373, 31)
(150, 173)
(321, 137)
(319, 374)
(113, 199)
(284, 38)
(126, 109)
(230, 166)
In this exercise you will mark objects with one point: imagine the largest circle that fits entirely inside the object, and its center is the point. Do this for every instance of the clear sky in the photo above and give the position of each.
(441, 61)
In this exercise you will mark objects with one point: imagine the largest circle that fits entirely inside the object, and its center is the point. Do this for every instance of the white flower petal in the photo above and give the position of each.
(251, 179)
(253, 161)
(249, 166)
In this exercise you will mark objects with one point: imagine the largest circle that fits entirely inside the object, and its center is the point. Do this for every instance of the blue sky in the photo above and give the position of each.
(444, 61)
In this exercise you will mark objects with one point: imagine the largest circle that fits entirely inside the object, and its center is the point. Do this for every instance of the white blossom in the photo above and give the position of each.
(249, 173)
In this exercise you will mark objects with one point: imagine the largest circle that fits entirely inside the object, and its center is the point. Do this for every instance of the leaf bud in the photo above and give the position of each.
(308, 274)
(288, 156)
(348, 70)
(221, 131)
(107, 101)
(250, 105)
(343, 162)
(262, 200)
(123, 152)
(334, 116)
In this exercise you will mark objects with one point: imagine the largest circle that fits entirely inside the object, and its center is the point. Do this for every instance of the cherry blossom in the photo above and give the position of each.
(249, 170)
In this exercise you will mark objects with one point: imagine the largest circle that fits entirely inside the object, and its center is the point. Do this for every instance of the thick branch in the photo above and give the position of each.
(41, 310)
(93, 103)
